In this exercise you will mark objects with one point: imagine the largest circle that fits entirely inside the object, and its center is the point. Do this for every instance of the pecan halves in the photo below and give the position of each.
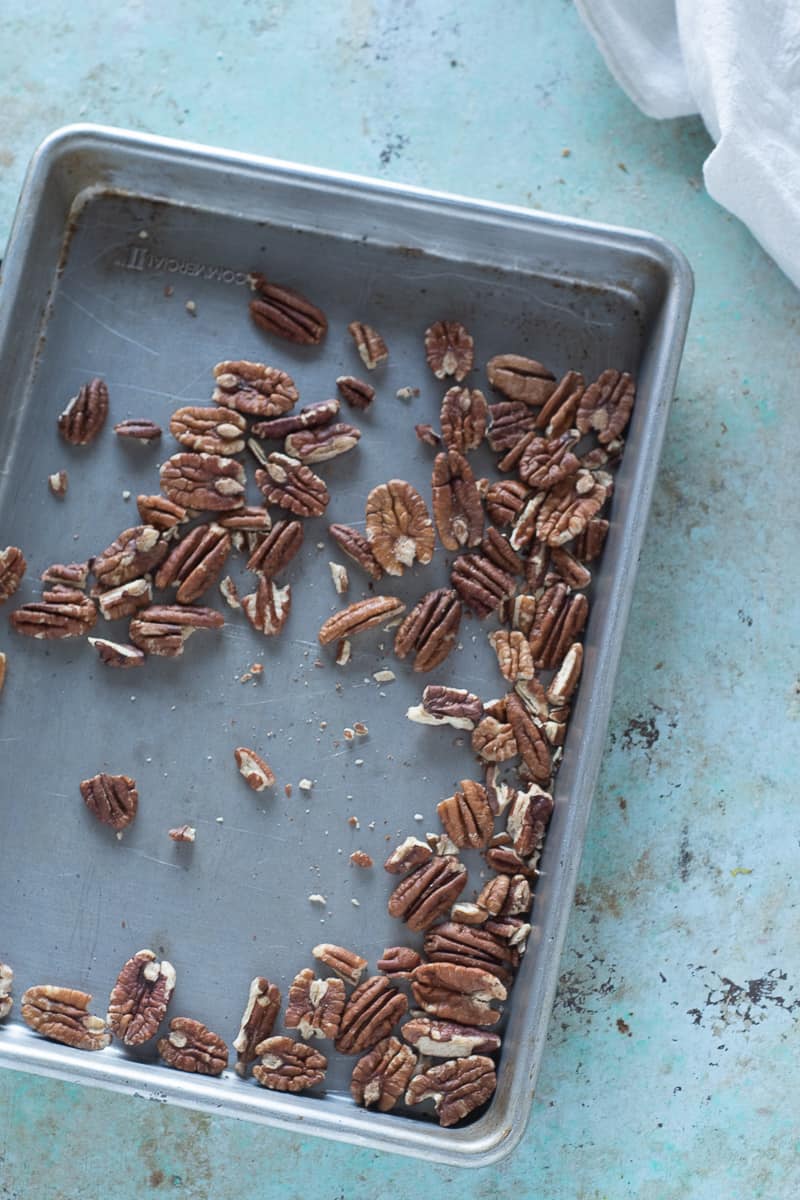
(268, 607)
(289, 1066)
(513, 654)
(360, 616)
(277, 549)
(493, 740)
(348, 965)
(546, 461)
(138, 430)
(560, 617)
(399, 528)
(370, 1014)
(398, 962)
(292, 485)
(457, 1087)
(258, 1022)
(499, 550)
(606, 405)
(209, 430)
(427, 893)
(12, 569)
(463, 418)
(312, 416)
(113, 799)
(254, 388)
(117, 654)
(356, 547)
(371, 347)
(505, 896)
(573, 572)
(6, 981)
(320, 445)
(446, 1039)
(409, 854)
(528, 818)
(61, 1014)
(140, 998)
(135, 552)
(589, 544)
(558, 413)
(456, 993)
(481, 584)
(466, 816)
(161, 513)
(447, 706)
(381, 1076)
(73, 575)
(449, 349)
(206, 482)
(569, 507)
(196, 562)
(162, 629)
(314, 1006)
(191, 1046)
(357, 392)
(465, 946)
(457, 506)
(61, 613)
(280, 310)
(520, 378)
(511, 420)
(531, 742)
(430, 629)
(505, 500)
(85, 414)
(255, 771)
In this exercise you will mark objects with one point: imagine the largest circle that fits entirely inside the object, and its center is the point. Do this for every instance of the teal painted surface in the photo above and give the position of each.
(671, 1065)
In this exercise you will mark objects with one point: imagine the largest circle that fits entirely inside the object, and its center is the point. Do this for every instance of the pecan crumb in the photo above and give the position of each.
(256, 772)
(359, 858)
(341, 580)
(58, 483)
(183, 833)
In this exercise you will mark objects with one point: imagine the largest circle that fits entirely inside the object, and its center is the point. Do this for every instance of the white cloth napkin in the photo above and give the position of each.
(737, 63)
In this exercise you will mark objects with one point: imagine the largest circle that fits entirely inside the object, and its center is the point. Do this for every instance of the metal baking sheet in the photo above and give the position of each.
(115, 233)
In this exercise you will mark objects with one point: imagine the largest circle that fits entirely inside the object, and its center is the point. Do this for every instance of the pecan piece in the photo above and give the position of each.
(510, 422)
(267, 609)
(513, 654)
(113, 799)
(493, 740)
(428, 435)
(573, 572)
(446, 1039)
(320, 445)
(399, 528)
(506, 861)
(526, 525)
(513, 929)
(163, 628)
(498, 550)
(466, 816)
(449, 349)
(58, 483)
(85, 415)
(253, 518)
(254, 389)
(206, 482)
(545, 462)
(280, 310)
(74, 575)
(481, 584)
(457, 1087)
(520, 378)
(311, 417)
(569, 507)
(258, 1022)
(61, 613)
(528, 818)
(463, 417)
(116, 654)
(409, 854)
(288, 1066)
(589, 544)
(348, 965)
(565, 681)
(140, 998)
(447, 706)
(381, 1076)
(606, 406)
(456, 993)
(277, 549)
(427, 893)
(356, 392)
(505, 896)
(339, 577)
(61, 1014)
(360, 616)
(6, 981)
(430, 629)
(356, 546)
(292, 485)
(125, 600)
(398, 962)
(12, 569)
(456, 504)
(183, 833)
(191, 1046)
(132, 554)
(371, 347)
(161, 513)
(531, 742)
(196, 562)
(558, 413)
(370, 1013)
(138, 430)
(254, 770)
(505, 500)
(314, 1006)
(560, 618)
(465, 946)
(209, 430)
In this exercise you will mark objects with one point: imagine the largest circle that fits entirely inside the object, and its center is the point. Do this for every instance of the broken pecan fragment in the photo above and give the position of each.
(360, 858)
(288, 1066)
(513, 654)
(191, 1046)
(381, 1076)
(493, 740)
(446, 1039)
(196, 562)
(531, 742)
(565, 681)
(606, 405)
(320, 445)
(457, 506)
(456, 993)
(360, 616)
(209, 430)
(520, 378)
(526, 524)
(258, 1022)
(183, 833)
(161, 513)
(116, 654)
(370, 345)
(140, 998)
(6, 981)
(430, 629)
(348, 965)
(428, 435)
(457, 1087)
(135, 552)
(162, 629)
(589, 544)
(573, 572)
(466, 816)
(513, 930)
(61, 1014)
(280, 310)
(507, 861)
(511, 420)
(449, 349)
(85, 415)
(560, 617)
(138, 430)
(254, 389)
(314, 1006)
(505, 896)
(447, 706)
(481, 584)
(206, 482)
(568, 507)
(125, 600)
(409, 854)
(312, 416)
(61, 613)
(58, 483)
(558, 413)
(398, 962)
(399, 528)
(427, 893)
(73, 575)
(370, 1013)
(356, 546)
(356, 392)
(12, 569)
(254, 770)
(113, 799)
(528, 818)
(253, 518)
(546, 461)
(505, 500)
(267, 609)
(463, 417)
(292, 485)
(465, 946)
(277, 549)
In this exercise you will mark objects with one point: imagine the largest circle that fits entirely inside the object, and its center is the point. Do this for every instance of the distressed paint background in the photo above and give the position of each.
(671, 1067)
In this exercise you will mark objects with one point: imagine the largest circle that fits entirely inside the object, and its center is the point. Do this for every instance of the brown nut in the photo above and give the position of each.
(466, 816)
(465, 946)
(138, 430)
(369, 344)
(277, 549)
(253, 518)
(560, 618)
(288, 1066)
(310, 417)
(457, 507)
(399, 528)
(447, 706)
(449, 349)
(116, 654)
(321, 445)
(427, 893)
(280, 310)
(514, 930)
(190, 1046)
(254, 770)
(113, 799)
(505, 896)
(463, 418)
(356, 546)
(565, 681)
(360, 616)
(58, 483)
(606, 405)
(267, 609)
(381, 1076)
(161, 513)
(498, 550)
(457, 1087)
(493, 740)
(430, 629)
(513, 654)
(446, 1039)
(61, 1014)
(528, 818)
(314, 1006)
(73, 575)
(196, 562)
(510, 422)
(370, 1013)
(573, 572)
(558, 413)
(292, 485)
(182, 833)
(135, 552)
(61, 613)
(348, 965)
(505, 500)
(546, 461)
(519, 378)
(125, 600)
(162, 629)
(569, 507)
(409, 854)
(589, 544)
(258, 1022)
(481, 584)
(6, 981)
(12, 569)
(254, 389)
(206, 482)
(526, 525)
(140, 998)
(531, 742)
(85, 415)
(398, 962)
(209, 430)
(356, 392)
(456, 993)
(428, 436)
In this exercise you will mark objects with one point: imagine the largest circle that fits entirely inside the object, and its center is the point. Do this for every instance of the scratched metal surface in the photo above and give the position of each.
(670, 1069)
